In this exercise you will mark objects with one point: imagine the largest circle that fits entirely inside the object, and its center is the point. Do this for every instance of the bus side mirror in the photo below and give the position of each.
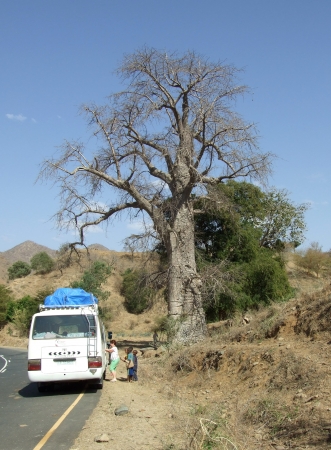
(110, 335)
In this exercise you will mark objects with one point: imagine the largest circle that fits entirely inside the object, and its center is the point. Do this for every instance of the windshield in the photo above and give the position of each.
(68, 326)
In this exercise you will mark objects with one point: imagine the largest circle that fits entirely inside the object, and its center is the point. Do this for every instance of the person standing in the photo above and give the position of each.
(129, 363)
(114, 358)
(135, 365)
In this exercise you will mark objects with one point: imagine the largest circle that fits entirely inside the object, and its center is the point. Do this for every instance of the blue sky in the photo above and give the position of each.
(56, 55)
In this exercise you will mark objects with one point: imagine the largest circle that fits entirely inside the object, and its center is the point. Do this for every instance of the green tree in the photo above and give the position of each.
(254, 273)
(42, 263)
(5, 299)
(282, 221)
(238, 209)
(19, 269)
(93, 279)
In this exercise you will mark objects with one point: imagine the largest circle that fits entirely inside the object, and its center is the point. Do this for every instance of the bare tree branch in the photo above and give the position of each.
(170, 132)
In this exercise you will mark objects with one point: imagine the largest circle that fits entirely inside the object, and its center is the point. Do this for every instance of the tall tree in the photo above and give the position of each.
(168, 133)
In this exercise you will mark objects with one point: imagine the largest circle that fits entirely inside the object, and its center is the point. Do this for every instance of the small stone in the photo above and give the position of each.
(300, 395)
(121, 410)
(103, 438)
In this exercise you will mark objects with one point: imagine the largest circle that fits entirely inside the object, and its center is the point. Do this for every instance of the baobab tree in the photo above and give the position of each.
(170, 134)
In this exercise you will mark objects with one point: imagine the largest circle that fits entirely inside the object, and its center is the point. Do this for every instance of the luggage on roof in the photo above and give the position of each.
(70, 297)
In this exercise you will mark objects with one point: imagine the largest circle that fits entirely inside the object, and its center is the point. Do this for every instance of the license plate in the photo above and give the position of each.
(69, 361)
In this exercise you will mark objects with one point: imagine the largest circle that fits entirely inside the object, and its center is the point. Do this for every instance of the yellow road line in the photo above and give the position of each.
(58, 423)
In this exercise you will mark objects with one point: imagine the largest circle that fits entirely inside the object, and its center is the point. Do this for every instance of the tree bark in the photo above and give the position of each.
(184, 298)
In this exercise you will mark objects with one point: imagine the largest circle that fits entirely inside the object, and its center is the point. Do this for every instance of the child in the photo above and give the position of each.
(129, 363)
(135, 367)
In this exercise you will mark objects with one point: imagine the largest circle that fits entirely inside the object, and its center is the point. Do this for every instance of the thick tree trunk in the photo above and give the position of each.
(184, 284)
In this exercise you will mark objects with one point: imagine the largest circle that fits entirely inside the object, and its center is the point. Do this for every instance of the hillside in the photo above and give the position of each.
(122, 322)
(257, 383)
(262, 385)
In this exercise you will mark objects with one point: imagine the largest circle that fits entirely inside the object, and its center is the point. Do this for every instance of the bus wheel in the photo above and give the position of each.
(100, 384)
(42, 387)
(45, 387)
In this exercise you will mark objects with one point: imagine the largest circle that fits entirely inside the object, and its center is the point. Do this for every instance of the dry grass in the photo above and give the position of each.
(248, 386)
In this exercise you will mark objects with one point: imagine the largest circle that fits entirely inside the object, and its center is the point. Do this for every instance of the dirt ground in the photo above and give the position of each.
(260, 385)
(150, 422)
(259, 382)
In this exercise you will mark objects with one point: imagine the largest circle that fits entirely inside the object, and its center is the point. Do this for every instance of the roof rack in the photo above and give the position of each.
(43, 307)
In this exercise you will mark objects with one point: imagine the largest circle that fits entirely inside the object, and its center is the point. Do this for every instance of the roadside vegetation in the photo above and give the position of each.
(19, 312)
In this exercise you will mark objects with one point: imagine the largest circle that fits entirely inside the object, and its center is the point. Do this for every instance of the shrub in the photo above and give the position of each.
(20, 313)
(136, 291)
(313, 260)
(41, 295)
(28, 304)
(5, 299)
(266, 281)
(249, 285)
(19, 269)
(42, 263)
(93, 278)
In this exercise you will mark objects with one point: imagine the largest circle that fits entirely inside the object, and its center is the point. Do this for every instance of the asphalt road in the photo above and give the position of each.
(30, 420)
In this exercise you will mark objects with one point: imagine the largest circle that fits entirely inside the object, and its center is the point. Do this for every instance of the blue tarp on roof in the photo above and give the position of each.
(70, 297)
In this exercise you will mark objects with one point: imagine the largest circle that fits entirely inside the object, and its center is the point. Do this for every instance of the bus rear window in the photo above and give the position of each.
(63, 326)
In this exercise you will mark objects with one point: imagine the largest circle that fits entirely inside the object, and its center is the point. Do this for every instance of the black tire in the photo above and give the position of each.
(45, 387)
(100, 384)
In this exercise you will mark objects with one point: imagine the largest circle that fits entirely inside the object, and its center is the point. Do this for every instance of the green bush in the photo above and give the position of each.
(42, 294)
(93, 278)
(20, 313)
(42, 263)
(5, 299)
(136, 292)
(19, 269)
(28, 304)
(266, 281)
(259, 282)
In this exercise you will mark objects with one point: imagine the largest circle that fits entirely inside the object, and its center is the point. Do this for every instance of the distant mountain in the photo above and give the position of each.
(25, 251)
(98, 247)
